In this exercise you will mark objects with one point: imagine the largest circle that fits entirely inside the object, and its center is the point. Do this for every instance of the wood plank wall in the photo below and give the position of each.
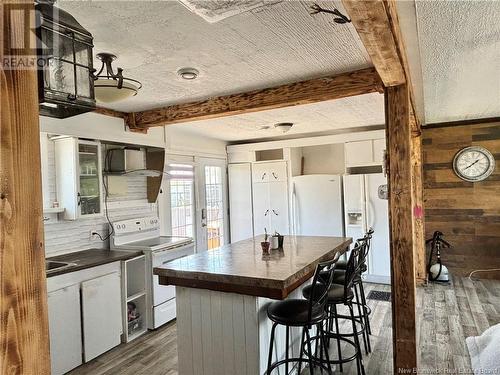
(467, 213)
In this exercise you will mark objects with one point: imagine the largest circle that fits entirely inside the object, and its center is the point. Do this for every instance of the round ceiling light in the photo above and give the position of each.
(188, 73)
(110, 86)
(284, 126)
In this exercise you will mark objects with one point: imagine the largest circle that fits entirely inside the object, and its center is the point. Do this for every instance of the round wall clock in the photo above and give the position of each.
(473, 163)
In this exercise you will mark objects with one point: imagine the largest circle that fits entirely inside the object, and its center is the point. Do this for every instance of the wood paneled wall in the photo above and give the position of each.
(467, 213)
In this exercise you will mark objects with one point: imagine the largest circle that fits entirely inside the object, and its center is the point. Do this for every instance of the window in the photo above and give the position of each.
(215, 206)
(181, 199)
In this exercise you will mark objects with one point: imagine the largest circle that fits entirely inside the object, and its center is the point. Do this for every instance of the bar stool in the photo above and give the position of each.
(305, 313)
(342, 294)
(364, 310)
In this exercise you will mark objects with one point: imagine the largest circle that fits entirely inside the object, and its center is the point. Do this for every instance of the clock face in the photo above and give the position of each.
(473, 163)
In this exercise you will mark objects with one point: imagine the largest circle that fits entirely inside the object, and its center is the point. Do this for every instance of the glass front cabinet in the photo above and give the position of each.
(79, 177)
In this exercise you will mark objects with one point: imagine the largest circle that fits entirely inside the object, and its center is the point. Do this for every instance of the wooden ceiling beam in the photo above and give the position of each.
(315, 90)
(110, 112)
(375, 27)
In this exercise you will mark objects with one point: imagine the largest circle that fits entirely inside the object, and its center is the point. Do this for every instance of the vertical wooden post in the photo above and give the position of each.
(398, 125)
(417, 200)
(24, 337)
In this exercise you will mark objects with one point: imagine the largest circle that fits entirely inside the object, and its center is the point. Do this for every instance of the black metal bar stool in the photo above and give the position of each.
(364, 311)
(342, 294)
(305, 313)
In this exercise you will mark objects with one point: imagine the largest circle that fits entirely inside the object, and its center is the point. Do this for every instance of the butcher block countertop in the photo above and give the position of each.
(241, 267)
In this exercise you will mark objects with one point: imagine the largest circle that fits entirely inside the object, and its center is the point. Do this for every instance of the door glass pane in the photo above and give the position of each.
(181, 199)
(90, 202)
(215, 206)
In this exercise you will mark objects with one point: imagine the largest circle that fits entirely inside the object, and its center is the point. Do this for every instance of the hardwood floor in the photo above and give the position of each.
(446, 315)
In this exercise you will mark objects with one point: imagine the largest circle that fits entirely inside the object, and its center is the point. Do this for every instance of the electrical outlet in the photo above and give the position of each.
(92, 234)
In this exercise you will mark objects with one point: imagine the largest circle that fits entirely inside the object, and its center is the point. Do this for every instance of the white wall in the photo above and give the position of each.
(105, 128)
(183, 142)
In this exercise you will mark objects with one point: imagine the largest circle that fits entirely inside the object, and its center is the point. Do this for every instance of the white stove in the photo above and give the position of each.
(143, 234)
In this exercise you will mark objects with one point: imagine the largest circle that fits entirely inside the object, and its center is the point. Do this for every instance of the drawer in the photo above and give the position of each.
(164, 313)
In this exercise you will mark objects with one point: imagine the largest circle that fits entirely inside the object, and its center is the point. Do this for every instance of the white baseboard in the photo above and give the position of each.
(377, 279)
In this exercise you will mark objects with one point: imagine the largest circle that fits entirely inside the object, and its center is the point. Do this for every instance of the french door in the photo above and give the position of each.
(211, 182)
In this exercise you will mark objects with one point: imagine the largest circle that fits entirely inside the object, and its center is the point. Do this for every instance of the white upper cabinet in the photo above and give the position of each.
(79, 177)
(269, 171)
(364, 153)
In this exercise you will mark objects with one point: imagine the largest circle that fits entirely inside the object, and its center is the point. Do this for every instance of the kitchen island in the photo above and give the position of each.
(222, 297)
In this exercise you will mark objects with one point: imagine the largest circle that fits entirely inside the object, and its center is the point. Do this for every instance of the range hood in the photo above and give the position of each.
(128, 161)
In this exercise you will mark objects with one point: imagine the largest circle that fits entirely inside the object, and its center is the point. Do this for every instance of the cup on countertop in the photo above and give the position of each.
(274, 240)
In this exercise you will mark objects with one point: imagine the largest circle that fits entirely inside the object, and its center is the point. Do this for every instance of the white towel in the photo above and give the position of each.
(484, 351)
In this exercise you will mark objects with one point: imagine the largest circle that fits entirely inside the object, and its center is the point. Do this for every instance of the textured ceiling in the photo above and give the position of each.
(266, 46)
(460, 58)
(358, 111)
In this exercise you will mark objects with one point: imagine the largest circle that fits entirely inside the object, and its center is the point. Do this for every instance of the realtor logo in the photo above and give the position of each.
(20, 41)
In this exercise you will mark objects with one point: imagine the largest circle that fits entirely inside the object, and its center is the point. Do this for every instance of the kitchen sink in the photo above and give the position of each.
(53, 265)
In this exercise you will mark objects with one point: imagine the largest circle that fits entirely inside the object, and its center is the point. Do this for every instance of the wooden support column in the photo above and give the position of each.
(397, 103)
(24, 336)
(417, 200)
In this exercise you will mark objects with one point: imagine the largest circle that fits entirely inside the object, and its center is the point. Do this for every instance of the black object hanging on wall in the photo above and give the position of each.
(65, 82)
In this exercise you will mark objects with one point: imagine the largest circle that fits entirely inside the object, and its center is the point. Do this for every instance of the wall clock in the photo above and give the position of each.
(473, 163)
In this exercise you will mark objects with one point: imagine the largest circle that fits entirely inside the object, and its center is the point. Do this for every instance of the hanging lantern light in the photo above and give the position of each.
(66, 85)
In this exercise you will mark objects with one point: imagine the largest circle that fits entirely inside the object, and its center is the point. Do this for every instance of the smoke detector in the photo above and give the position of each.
(284, 126)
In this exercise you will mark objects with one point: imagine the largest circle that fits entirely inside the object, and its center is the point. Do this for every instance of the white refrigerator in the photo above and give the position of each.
(364, 208)
(317, 205)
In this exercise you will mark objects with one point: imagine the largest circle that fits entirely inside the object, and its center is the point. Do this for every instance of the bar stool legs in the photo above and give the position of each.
(306, 340)
(359, 357)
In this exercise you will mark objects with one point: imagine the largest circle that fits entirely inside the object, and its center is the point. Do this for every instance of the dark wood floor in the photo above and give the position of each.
(446, 314)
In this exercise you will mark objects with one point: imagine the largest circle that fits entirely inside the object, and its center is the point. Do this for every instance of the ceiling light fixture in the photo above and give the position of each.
(188, 73)
(284, 126)
(110, 86)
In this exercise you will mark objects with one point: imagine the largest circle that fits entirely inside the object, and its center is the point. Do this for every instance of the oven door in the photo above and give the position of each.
(163, 293)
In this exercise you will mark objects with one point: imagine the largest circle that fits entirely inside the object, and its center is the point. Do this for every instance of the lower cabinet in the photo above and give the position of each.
(85, 317)
(101, 315)
(65, 329)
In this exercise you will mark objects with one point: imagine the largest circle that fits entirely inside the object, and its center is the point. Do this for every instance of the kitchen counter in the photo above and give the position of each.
(90, 258)
(222, 297)
(241, 268)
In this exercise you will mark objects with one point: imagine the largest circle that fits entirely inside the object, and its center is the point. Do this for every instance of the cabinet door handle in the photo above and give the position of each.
(263, 175)
(275, 176)
(274, 212)
(265, 213)
(79, 199)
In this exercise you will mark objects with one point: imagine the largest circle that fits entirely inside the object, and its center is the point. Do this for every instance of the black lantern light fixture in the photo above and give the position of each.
(65, 81)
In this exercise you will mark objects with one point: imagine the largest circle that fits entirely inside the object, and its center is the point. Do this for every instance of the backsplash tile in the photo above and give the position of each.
(67, 236)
